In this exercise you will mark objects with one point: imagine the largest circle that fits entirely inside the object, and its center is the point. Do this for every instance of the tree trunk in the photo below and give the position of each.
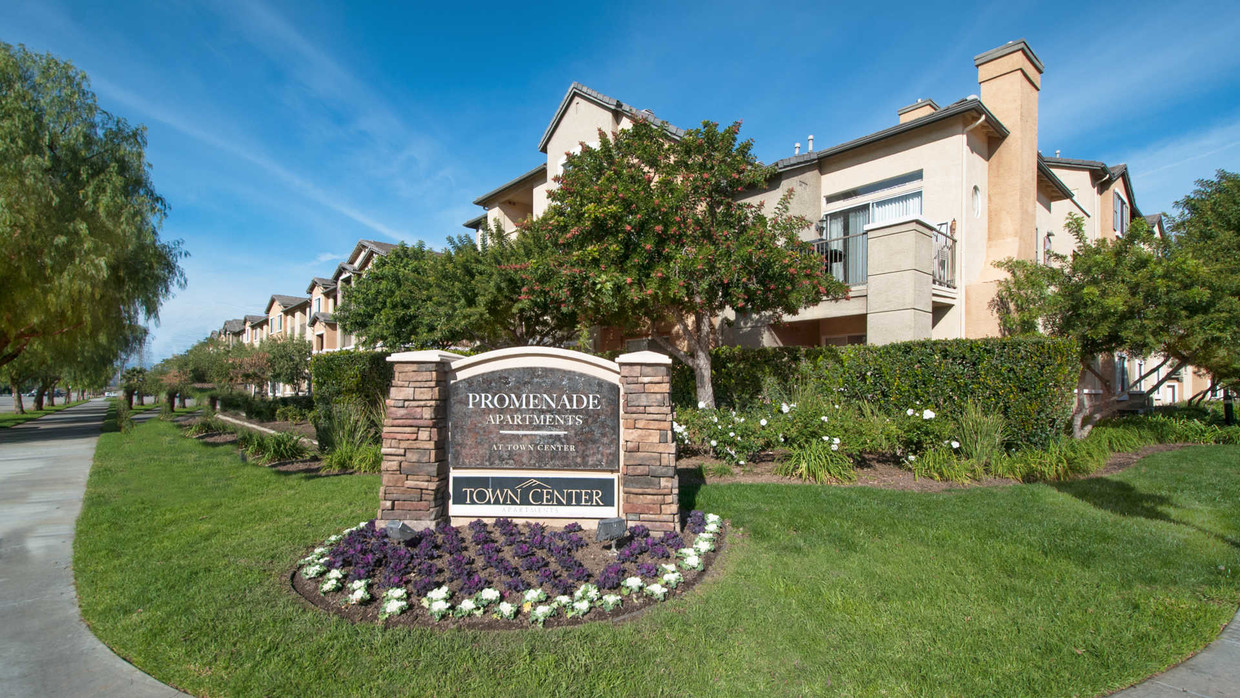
(214, 402)
(702, 375)
(181, 400)
(38, 399)
(170, 400)
(141, 400)
(129, 398)
(51, 395)
(18, 407)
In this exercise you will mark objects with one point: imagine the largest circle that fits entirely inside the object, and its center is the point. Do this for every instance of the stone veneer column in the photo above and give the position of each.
(899, 303)
(415, 440)
(650, 490)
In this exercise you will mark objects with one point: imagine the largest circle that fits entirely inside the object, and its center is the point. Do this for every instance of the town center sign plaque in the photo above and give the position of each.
(529, 433)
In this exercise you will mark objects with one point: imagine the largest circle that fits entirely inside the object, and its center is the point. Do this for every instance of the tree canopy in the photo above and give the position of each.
(646, 232)
(80, 252)
(1173, 297)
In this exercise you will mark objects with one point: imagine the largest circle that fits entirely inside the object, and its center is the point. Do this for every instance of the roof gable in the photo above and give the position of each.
(608, 103)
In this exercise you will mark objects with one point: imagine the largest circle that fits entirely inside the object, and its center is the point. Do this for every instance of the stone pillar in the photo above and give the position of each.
(899, 303)
(415, 440)
(649, 488)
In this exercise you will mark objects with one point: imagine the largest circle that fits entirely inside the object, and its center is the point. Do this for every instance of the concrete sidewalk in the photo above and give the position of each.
(1211, 673)
(45, 648)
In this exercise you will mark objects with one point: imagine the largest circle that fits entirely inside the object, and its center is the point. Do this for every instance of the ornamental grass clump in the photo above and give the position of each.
(818, 461)
(502, 570)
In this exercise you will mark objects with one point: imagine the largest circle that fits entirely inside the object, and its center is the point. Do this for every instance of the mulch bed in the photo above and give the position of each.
(884, 472)
(595, 557)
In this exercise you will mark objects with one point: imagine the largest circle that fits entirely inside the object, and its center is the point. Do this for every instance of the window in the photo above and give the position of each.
(843, 340)
(873, 187)
(1120, 222)
(318, 302)
(843, 231)
(1048, 247)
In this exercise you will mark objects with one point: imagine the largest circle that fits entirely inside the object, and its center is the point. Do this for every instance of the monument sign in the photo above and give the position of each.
(529, 433)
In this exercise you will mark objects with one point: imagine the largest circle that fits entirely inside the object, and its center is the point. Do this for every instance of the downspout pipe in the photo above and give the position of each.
(964, 215)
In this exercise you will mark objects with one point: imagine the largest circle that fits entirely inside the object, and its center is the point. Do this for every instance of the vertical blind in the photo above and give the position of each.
(846, 239)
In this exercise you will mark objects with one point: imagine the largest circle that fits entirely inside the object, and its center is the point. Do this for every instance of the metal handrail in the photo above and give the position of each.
(845, 258)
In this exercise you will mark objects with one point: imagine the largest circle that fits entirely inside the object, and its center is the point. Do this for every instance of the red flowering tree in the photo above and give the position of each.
(647, 232)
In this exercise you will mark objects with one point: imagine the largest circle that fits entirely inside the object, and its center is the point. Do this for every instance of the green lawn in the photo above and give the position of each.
(8, 419)
(182, 551)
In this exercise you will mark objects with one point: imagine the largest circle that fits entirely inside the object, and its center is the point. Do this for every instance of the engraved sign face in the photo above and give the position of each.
(534, 417)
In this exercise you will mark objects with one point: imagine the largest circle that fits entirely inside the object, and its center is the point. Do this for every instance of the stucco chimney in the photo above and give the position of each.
(916, 110)
(1010, 78)
(796, 149)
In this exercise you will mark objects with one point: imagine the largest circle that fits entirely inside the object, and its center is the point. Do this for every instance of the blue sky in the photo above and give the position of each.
(281, 132)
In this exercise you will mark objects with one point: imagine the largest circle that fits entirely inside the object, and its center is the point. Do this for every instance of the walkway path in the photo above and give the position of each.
(1211, 673)
(45, 648)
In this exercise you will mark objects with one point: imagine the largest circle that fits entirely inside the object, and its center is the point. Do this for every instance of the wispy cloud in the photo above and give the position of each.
(246, 152)
(1166, 171)
(1137, 75)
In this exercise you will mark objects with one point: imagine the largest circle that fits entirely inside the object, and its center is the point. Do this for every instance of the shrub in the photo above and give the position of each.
(817, 462)
(943, 464)
(363, 458)
(124, 416)
(271, 448)
(292, 413)
(362, 377)
(1030, 381)
(349, 437)
(981, 434)
(207, 425)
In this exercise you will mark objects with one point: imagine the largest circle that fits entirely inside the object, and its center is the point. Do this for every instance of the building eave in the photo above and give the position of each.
(541, 170)
(602, 100)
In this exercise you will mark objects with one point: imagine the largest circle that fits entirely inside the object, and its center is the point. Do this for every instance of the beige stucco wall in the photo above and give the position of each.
(1083, 191)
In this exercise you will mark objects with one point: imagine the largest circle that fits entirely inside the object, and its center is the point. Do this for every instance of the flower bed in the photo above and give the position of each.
(503, 574)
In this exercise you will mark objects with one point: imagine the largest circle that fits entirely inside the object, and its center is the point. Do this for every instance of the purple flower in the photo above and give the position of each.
(647, 569)
(610, 577)
(516, 584)
(639, 531)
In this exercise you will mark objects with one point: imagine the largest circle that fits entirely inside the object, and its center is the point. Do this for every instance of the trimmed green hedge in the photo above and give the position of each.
(350, 377)
(1031, 381)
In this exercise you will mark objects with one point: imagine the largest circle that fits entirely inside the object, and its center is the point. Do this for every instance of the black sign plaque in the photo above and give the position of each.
(533, 495)
(534, 417)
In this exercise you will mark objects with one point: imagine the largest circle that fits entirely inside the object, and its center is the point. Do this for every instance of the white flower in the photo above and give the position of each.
(783, 407)
(393, 607)
(587, 591)
(673, 579)
(632, 584)
(657, 590)
(312, 571)
(668, 568)
(468, 605)
(911, 458)
(540, 614)
(835, 447)
(835, 440)
(335, 574)
(927, 414)
(329, 584)
(611, 601)
(740, 462)
(955, 444)
(837, 407)
(489, 595)
(741, 421)
(563, 600)
(909, 412)
(359, 594)
(762, 422)
(439, 593)
(826, 438)
(505, 610)
(714, 443)
(701, 404)
(703, 546)
(713, 518)
(781, 438)
(715, 419)
(439, 609)
(824, 418)
(534, 596)
(712, 527)
(692, 562)
(396, 593)
(731, 433)
(580, 608)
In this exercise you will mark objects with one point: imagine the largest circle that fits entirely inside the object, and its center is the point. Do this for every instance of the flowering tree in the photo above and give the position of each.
(647, 231)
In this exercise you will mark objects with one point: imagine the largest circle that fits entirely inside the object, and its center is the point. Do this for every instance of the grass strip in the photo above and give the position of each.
(1085, 587)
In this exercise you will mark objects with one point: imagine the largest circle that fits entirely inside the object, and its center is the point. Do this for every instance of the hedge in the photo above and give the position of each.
(350, 376)
(1031, 381)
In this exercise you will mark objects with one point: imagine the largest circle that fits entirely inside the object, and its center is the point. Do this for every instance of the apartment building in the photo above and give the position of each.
(912, 217)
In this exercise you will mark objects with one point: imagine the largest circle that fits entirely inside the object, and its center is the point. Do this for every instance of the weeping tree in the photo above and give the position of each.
(646, 232)
(80, 251)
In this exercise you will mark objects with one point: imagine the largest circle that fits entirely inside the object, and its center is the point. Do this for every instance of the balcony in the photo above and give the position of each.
(846, 258)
